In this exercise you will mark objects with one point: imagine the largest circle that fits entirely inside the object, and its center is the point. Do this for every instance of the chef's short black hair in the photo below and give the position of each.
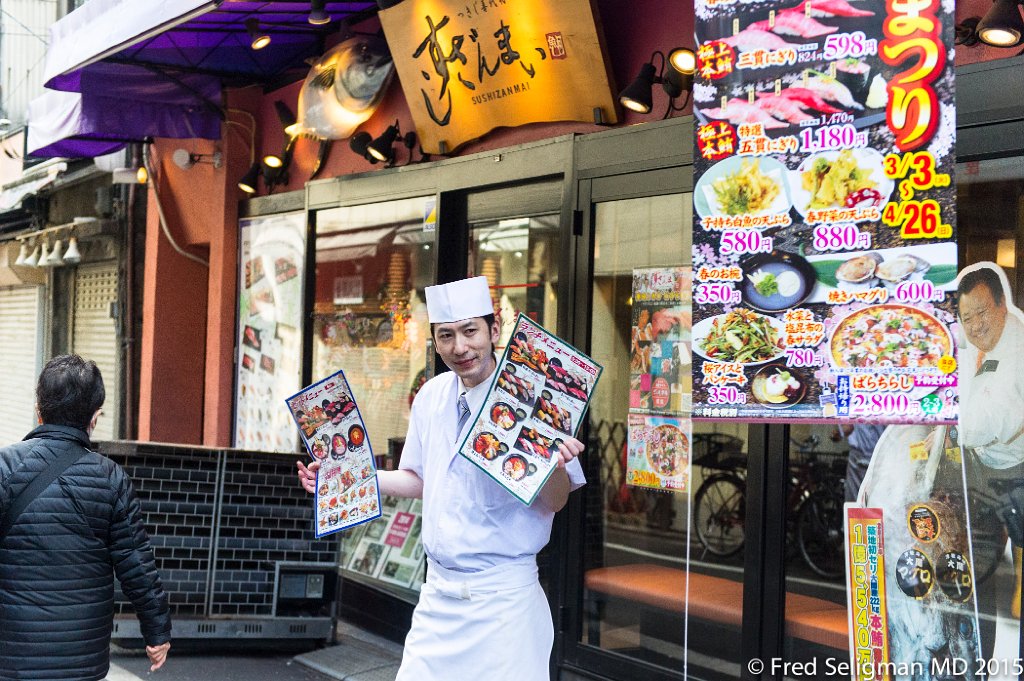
(983, 276)
(69, 391)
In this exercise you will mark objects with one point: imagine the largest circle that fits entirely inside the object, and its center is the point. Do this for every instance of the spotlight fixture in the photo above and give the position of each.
(382, 147)
(318, 16)
(360, 143)
(258, 38)
(186, 160)
(1002, 25)
(273, 161)
(248, 182)
(675, 76)
(129, 175)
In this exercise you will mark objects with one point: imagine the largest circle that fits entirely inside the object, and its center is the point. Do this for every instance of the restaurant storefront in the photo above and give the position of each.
(745, 562)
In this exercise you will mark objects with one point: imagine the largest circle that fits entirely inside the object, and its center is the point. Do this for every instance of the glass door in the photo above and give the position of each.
(661, 580)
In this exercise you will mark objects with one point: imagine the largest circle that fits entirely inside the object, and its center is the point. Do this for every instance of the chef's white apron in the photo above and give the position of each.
(493, 625)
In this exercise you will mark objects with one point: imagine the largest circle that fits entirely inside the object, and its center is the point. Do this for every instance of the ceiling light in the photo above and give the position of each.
(141, 175)
(318, 16)
(1002, 25)
(259, 38)
(248, 182)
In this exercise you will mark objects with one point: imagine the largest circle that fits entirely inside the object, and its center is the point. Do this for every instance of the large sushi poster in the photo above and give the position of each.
(824, 246)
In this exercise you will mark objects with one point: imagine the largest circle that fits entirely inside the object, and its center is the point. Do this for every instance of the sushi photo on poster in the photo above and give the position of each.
(824, 212)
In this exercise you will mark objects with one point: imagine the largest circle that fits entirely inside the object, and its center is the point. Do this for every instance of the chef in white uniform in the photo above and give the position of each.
(482, 612)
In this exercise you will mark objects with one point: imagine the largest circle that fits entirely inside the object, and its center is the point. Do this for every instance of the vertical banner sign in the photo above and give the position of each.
(469, 66)
(869, 647)
(659, 430)
(824, 246)
(269, 344)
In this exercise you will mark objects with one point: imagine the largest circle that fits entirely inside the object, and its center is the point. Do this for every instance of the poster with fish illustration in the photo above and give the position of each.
(930, 566)
(334, 434)
(824, 251)
(538, 397)
(272, 256)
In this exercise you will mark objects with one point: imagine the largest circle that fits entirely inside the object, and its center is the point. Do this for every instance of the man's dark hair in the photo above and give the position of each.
(69, 391)
(982, 276)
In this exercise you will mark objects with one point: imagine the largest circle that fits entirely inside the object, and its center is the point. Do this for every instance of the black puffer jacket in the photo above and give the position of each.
(57, 563)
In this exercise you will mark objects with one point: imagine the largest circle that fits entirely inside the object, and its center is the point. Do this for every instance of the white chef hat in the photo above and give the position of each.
(458, 300)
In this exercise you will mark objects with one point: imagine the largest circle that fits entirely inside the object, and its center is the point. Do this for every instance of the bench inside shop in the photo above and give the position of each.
(233, 539)
(816, 625)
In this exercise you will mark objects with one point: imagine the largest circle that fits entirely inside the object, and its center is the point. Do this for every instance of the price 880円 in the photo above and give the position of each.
(917, 219)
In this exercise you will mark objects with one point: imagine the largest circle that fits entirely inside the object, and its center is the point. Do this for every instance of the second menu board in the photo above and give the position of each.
(539, 396)
(824, 251)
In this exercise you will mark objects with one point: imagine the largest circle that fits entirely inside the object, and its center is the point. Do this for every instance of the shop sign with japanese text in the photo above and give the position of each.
(470, 66)
(824, 248)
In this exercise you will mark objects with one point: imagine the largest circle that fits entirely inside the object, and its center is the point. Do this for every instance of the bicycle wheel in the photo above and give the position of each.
(819, 532)
(718, 514)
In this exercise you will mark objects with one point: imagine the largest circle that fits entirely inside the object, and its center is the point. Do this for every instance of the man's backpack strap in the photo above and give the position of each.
(36, 487)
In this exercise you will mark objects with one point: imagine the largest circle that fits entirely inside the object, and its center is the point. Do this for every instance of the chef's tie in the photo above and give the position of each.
(463, 414)
(980, 361)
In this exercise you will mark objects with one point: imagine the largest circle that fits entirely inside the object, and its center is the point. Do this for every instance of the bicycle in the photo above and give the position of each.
(719, 507)
(814, 502)
(816, 496)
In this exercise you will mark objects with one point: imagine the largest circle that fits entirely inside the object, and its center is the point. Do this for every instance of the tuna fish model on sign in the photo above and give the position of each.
(343, 88)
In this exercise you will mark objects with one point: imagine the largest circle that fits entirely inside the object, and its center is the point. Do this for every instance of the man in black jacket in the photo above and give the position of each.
(59, 558)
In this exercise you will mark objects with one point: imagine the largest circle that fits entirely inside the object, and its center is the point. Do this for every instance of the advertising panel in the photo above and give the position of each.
(269, 344)
(824, 217)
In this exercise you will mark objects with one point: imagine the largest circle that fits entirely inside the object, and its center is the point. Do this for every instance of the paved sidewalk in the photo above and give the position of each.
(359, 656)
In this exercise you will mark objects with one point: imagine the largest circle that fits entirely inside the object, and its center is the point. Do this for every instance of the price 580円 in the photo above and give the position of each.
(917, 219)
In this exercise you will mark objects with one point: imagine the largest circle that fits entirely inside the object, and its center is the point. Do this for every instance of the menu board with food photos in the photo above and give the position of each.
(272, 253)
(389, 550)
(658, 452)
(539, 396)
(824, 246)
(334, 434)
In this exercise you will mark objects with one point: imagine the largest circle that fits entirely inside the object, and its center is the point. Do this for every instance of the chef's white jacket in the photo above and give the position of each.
(470, 522)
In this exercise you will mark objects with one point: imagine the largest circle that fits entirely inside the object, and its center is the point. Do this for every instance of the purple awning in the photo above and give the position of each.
(157, 68)
(77, 125)
(201, 37)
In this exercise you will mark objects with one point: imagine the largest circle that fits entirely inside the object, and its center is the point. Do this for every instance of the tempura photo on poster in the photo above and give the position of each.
(333, 432)
(538, 398)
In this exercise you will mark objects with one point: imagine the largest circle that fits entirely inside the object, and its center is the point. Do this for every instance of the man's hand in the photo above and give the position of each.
(158, 655)
(307, 475)
(568, 450)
